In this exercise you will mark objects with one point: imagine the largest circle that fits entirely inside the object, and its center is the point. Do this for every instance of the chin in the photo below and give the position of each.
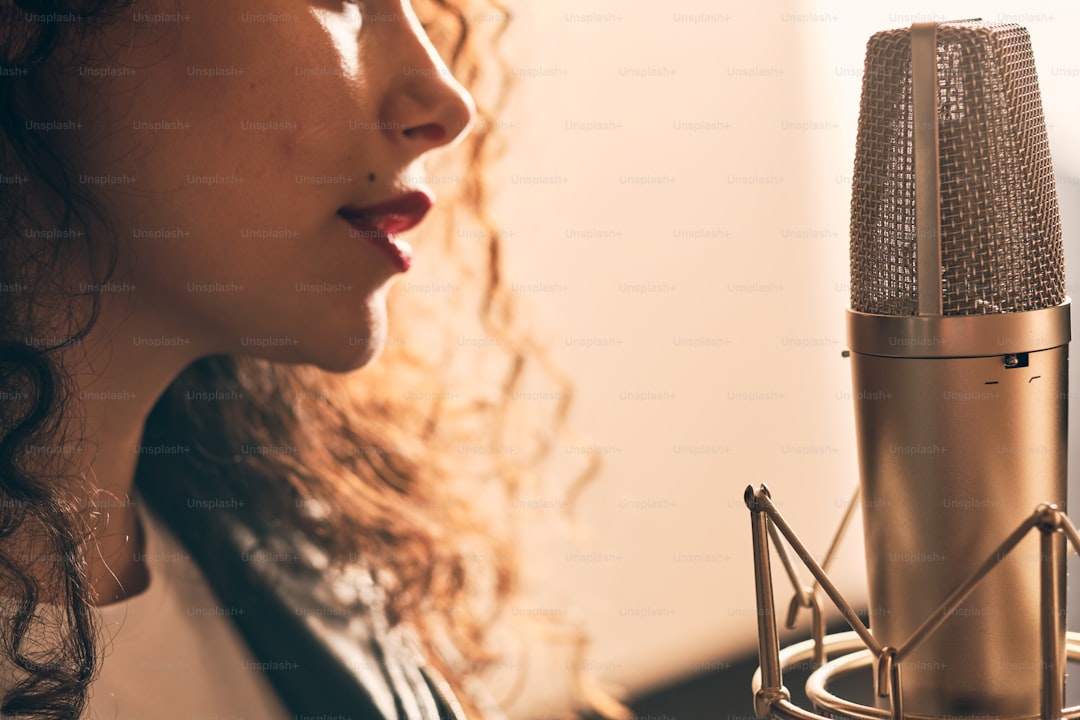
(337, 342)
(352, 349)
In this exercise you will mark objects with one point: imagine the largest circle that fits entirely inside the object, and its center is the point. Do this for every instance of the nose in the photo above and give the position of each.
(428, 108)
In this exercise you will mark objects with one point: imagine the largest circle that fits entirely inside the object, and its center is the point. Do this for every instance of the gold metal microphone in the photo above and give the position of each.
(959, 331)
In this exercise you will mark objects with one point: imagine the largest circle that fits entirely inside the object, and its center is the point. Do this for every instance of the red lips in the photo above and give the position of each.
(379, 223)
(392, 216)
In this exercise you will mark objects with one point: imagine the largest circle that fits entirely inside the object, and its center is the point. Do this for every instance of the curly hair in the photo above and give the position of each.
(380, 467)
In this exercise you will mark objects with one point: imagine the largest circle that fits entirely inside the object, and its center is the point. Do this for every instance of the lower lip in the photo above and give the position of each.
(399, 251)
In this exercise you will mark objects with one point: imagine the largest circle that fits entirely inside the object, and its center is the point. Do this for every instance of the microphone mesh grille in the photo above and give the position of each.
(1001, 241)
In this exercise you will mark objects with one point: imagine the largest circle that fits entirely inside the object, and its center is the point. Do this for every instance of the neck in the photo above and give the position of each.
(117, 376)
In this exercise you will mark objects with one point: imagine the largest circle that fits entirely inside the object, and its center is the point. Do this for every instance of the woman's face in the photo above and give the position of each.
(225, 137)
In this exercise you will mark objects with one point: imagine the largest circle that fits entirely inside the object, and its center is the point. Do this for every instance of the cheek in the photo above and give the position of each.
(288, 153)
(289, 144)
(303, 144)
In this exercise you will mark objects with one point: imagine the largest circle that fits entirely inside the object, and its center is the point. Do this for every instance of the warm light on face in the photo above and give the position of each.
(343, 26)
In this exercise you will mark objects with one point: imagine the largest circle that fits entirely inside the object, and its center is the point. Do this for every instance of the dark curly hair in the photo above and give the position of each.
(379, 455)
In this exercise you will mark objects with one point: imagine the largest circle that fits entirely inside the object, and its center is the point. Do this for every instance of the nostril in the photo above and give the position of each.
(432, 132)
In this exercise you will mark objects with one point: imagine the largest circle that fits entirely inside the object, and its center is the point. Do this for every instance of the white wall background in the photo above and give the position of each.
(675, 198)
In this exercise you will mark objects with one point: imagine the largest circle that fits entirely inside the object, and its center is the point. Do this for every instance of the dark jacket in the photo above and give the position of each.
(327, 663)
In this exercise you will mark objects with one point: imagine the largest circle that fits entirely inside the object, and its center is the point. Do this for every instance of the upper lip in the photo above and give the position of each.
(395, 215)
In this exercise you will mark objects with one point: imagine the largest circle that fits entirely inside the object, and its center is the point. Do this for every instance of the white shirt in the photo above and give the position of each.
(175, 652)
(171, 651)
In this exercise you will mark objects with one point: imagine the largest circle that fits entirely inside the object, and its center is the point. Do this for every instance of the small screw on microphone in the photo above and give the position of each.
(1016, 360)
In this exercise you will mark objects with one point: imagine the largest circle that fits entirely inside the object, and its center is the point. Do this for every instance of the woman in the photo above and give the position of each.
(200, 514)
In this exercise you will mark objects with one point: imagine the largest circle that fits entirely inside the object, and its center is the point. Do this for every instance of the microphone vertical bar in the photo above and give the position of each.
(896, 689)
(1051, 613)
(768, 641)
(924, 102)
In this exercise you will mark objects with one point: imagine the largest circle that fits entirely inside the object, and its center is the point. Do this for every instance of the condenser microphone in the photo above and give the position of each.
(958, 331)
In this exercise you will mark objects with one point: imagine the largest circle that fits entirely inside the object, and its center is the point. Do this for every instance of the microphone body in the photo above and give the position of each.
(959, 331)
(954, 452)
